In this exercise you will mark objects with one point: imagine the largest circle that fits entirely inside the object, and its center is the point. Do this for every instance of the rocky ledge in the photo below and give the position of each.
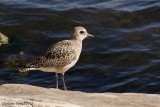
(20, 95)
(3, 39)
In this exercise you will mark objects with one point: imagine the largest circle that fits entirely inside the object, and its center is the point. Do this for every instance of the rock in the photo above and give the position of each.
(16, 94)
(20, 102)
(3, 39)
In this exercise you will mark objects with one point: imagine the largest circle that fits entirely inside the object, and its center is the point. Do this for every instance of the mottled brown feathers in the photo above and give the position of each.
(58, 55)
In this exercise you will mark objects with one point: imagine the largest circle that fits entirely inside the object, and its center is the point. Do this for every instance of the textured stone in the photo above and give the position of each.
(58, 98)
(3, 39)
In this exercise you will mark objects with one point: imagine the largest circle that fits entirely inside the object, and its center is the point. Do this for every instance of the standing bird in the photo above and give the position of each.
(60, 56)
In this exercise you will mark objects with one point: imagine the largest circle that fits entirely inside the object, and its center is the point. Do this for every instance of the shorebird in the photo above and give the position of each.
(61, 56)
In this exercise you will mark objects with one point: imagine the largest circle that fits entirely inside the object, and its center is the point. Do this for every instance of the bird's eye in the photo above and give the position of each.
(81, 32)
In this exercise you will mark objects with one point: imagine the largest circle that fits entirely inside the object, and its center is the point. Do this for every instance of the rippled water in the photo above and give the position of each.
(124, 56)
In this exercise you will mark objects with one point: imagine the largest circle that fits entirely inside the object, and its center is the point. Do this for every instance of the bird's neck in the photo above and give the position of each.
(78, 40)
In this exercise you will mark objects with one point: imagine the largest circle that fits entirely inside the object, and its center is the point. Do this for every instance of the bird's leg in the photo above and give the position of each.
(64, 85)
(56, 75)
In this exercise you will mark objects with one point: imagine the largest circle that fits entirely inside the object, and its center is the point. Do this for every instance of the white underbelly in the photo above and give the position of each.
(48, 69)
(59, 69)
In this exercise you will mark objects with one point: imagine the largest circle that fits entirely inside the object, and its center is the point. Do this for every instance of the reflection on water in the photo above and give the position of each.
(124, 56)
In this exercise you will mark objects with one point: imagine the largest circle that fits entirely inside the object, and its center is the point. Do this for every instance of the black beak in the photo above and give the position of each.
(90, 35)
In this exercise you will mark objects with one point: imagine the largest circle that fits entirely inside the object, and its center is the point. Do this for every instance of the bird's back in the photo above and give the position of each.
(59, 55)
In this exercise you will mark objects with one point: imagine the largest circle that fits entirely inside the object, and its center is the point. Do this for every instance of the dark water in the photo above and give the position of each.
(124, 56)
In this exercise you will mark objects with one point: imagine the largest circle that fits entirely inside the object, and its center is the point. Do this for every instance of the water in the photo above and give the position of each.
(124, 56)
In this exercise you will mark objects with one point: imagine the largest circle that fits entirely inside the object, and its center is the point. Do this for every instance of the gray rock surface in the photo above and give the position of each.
(3, 39)
(27, 95)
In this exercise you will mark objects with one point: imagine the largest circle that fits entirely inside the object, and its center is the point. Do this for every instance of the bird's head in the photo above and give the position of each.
(80, 33)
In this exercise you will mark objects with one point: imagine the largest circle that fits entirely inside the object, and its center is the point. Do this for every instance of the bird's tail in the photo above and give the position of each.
(26, 69)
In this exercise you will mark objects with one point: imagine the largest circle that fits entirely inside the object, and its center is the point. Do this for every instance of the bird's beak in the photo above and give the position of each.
(90, 35)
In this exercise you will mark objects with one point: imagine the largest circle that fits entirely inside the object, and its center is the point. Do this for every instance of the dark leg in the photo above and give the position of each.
(64, 85)
(56, 75)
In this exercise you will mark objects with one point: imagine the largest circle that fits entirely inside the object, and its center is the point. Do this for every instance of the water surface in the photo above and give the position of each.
(124, 56)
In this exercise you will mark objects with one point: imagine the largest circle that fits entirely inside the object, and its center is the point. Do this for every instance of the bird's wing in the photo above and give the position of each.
(58, 55)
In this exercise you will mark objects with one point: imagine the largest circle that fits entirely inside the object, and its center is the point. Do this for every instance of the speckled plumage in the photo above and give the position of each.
(60, 56)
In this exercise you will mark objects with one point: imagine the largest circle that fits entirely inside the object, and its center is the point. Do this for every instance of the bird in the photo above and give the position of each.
(61, 56)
